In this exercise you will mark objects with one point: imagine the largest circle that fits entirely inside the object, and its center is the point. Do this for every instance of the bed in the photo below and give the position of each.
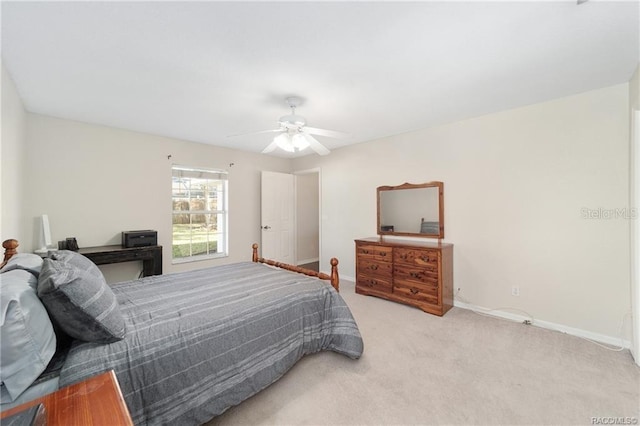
(185, 346)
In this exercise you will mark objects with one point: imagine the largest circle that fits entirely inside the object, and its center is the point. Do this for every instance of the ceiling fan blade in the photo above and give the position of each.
(270, 148)
(315, 145)
(255, 133)
(323, 132)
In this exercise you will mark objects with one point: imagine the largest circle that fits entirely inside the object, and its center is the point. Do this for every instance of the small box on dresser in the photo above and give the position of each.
(415, 273)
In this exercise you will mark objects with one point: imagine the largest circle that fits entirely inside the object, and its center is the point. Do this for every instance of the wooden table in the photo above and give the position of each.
(96, 401)
(151, 256)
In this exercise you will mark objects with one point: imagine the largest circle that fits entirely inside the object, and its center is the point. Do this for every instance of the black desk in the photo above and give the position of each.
(151, 257)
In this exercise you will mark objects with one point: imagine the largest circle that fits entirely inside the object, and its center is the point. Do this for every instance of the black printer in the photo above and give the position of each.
(143, 238)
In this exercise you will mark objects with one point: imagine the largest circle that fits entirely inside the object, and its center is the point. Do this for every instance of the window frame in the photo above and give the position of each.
(219, 176)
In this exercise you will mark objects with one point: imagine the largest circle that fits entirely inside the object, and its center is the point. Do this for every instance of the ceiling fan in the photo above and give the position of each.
(294, 134)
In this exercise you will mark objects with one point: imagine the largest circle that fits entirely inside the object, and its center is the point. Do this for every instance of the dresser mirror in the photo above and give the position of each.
(415, 210)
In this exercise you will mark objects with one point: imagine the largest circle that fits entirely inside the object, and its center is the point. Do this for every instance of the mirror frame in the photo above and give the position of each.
(434, 184)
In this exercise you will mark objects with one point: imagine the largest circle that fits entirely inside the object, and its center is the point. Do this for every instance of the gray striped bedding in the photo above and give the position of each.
(202, 341)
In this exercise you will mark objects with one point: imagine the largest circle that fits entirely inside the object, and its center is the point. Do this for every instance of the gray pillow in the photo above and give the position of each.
(26, 332)
(80, 302)
(79, 261)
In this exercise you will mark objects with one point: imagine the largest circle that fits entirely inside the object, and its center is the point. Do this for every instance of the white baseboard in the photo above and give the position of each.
(609, 340)
(347, 278)
(597, 337)
(303, 261)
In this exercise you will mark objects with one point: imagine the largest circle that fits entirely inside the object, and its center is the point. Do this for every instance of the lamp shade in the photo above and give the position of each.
(284, 142)
(300, 142)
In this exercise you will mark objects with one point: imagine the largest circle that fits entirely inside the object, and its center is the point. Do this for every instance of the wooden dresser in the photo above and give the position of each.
(415, 273)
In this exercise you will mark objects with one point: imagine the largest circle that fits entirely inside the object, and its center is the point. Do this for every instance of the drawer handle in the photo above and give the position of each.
(373, 267)
(372, 283)
(383, 254)
(365, 251)
(414, 275)
(414, 291)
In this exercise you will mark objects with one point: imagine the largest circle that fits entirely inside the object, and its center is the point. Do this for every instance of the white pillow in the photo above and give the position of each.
(27, 261)
(26, 332)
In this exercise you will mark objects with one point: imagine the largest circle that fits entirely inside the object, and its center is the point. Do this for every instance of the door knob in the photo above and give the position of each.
(266, 227)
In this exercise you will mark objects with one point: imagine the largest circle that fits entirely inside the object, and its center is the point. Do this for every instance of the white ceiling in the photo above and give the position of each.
(201, 71)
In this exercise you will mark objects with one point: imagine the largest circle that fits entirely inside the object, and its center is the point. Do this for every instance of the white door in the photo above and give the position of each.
(278, 213)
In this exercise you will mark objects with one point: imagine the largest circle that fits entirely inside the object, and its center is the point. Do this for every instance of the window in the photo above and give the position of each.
(200, 214)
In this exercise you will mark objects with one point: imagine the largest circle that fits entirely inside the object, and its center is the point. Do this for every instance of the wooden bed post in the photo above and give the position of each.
(335, 279)
(10, 247)
(255, 252)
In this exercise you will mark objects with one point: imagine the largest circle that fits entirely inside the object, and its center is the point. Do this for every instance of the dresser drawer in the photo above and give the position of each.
(373, 283)
(380, 253)
(426, 275)
(419, 257)
(421, 293)
(374, 267)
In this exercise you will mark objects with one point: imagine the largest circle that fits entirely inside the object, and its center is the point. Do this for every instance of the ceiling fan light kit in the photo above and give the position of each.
(294, 135)
(291, 143)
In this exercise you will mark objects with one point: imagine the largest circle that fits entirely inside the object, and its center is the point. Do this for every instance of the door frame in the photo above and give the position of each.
(635, 232)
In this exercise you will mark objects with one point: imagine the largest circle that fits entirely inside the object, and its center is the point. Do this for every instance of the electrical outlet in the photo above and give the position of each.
(515, 291)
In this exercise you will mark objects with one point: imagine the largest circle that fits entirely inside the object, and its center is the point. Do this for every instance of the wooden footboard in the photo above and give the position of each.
(11, 245)
(334, 278)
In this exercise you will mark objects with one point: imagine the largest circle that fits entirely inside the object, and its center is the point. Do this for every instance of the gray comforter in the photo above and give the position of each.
(200, 342)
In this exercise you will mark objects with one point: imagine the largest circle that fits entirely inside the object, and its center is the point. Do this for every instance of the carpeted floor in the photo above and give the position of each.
(463, 368)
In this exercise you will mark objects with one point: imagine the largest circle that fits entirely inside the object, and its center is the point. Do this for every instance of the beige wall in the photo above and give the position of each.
(95, 182)
(515, 186)
(12, 155)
